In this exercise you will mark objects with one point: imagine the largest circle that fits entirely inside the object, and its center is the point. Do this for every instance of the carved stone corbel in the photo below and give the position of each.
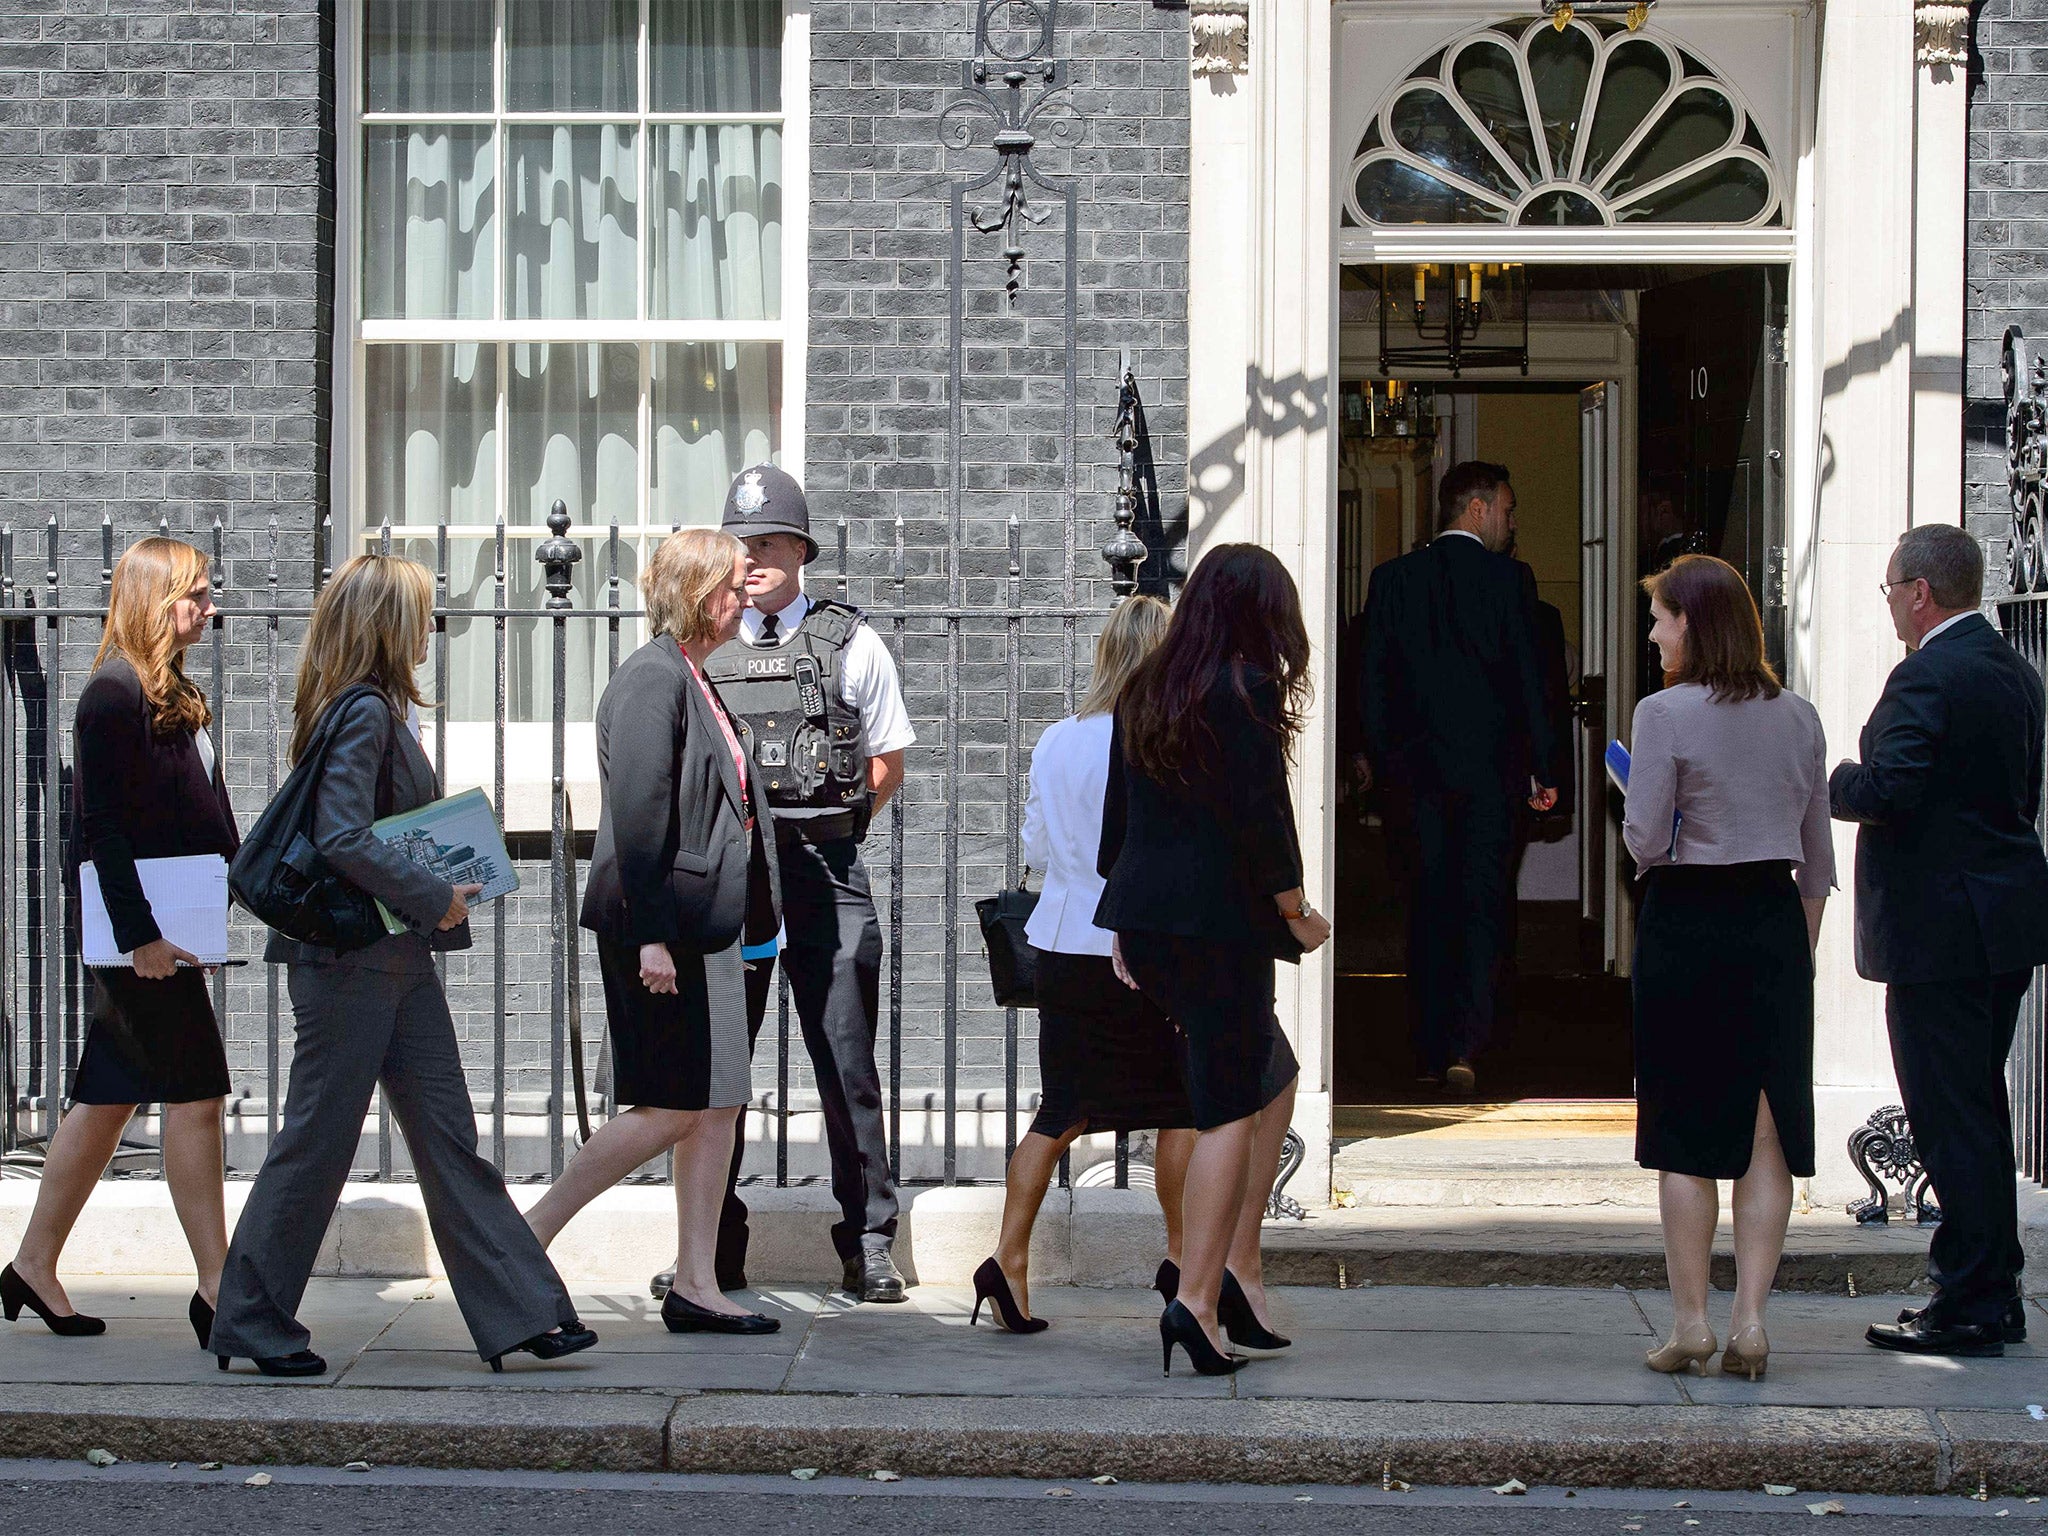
(1941, 32)
(1221, 33)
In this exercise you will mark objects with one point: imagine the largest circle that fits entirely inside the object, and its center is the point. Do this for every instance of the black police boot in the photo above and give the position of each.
(873, 1276)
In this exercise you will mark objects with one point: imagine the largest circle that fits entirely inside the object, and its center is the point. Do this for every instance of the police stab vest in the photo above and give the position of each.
(807, 738)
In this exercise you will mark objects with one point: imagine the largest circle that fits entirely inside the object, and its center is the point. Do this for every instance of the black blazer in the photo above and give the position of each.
(350, 797)
(673, 862)
(136, 794)
(1452, 682)
(1950, 877)
(1205, 858)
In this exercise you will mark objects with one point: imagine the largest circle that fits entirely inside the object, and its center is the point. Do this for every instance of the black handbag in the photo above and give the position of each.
(1012, 962)
(282, 880)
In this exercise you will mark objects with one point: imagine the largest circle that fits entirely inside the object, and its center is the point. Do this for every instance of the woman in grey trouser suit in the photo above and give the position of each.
(378, 1015)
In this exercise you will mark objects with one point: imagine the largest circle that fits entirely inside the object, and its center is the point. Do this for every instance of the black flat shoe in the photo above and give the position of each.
(1235, 1316)
(873, 1276)
(2012, 1324)
(1968, 1340)
(1167, 1281)
(15, 1293)
(302, 1362)
(202, 1318)
(565, 1340)
(1177, 1325)
(993, 1286)
(679, 1314)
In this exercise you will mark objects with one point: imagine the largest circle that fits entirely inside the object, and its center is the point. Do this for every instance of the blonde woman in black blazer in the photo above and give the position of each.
(680, 878)
(144, 785)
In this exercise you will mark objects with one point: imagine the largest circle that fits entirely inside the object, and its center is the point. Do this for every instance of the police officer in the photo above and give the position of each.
(820, 691)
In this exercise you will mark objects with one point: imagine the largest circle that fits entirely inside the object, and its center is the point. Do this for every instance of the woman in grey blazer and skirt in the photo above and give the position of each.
(1728, 822)
(378, 1015)
(680, 879)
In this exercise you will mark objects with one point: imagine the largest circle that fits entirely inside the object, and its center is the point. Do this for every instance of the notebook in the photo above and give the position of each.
(188, 897)
(458, 839)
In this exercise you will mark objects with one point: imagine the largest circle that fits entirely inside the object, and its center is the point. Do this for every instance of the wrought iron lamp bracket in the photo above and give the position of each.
(1124, 550)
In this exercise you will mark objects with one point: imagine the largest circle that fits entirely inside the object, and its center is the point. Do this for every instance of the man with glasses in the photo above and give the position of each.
(1952, 915)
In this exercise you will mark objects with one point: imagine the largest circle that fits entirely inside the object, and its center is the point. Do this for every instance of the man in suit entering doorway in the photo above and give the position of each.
(1952, 916)
(1458, 734)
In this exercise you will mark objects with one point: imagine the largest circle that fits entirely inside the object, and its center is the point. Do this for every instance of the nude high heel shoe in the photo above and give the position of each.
(1748, 1353)
(1679, 1353)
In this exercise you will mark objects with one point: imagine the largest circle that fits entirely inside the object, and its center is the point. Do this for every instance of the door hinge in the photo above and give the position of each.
(1775, 559)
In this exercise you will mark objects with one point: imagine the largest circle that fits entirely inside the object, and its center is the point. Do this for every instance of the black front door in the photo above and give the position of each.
(1710, 444)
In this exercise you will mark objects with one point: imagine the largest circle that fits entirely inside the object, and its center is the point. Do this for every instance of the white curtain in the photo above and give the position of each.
(575, 221)
(717, 409)
(718, 236)
(432, 438)
(428, 55)
(571, 55)
(430, 235)
(717, 55)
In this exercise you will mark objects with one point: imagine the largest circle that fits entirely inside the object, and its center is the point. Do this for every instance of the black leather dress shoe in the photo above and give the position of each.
(873, 1276)
(2013, 1324)
(1916, 1338)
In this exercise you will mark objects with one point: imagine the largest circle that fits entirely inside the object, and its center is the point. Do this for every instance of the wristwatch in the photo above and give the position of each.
(1302, 912)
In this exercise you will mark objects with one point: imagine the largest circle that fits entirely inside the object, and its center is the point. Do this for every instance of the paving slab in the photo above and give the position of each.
(2007, 1450)
(623, 1319)
(1516, 1309)
(1412, 1366)
(592, 1371)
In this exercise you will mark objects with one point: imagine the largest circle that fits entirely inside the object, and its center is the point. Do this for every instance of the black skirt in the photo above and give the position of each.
(1723, 993)
(685, 1049)
(150, 1042)
(1106, 1055)
(1221, 997)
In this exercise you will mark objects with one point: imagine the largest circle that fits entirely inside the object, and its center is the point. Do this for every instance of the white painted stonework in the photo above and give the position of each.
(1868, 144)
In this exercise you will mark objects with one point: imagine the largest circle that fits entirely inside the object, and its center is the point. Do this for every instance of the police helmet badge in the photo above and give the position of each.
(751, 496)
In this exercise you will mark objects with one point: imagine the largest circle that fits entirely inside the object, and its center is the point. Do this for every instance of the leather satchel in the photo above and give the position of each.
(282, 880)
(1012, 962)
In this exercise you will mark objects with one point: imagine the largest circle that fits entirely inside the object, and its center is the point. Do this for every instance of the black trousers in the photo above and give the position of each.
(833, 953)
(1949, 1044)
(1455, 851)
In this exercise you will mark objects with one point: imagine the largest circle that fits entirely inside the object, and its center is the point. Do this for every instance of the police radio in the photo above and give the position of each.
(810, 692)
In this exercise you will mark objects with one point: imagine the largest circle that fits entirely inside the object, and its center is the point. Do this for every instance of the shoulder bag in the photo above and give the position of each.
(1012, 962)
(282, 880)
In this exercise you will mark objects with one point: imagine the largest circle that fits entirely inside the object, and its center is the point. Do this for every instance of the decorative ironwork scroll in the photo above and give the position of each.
(1279, 1206)
(2026, 456)
(1882, 1148)
(1017, 88)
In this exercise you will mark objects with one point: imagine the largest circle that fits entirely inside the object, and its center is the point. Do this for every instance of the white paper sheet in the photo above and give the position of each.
(188, 897)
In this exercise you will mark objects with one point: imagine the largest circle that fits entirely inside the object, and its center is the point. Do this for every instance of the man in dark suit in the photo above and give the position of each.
(1457, 733)
(1952, 915)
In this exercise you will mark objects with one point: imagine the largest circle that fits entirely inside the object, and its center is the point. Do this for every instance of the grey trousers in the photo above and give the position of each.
(358, 1026)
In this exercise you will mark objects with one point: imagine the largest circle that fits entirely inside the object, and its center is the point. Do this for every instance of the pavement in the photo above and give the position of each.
(1431, 1385)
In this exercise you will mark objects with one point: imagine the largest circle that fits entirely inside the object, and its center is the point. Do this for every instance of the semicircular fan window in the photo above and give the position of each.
(1523, 123)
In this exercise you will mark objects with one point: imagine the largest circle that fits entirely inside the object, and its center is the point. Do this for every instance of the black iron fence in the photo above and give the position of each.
(983, 677)
(2025, 622)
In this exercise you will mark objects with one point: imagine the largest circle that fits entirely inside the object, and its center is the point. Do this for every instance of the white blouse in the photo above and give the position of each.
(1063, 834)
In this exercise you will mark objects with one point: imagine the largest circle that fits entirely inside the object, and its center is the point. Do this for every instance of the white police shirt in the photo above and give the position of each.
(867, 678)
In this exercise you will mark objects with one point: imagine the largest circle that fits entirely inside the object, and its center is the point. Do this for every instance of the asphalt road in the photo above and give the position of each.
(70, 1499)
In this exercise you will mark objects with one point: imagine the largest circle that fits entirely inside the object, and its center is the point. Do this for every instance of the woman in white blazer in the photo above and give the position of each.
(1107, 1059)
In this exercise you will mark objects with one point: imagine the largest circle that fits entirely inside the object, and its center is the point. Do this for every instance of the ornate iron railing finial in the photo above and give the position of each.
(558, 557)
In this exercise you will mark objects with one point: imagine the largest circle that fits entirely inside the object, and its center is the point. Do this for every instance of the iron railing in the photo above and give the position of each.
(2025, 622)
(950, 1061)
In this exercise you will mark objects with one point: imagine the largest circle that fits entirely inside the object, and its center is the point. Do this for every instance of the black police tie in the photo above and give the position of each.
(770, 623)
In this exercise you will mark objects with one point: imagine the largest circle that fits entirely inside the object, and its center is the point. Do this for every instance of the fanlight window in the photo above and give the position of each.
(1524, 123)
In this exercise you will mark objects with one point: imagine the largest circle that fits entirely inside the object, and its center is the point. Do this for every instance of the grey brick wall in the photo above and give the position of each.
(877, 416)
(2007, 262)
(167, 248)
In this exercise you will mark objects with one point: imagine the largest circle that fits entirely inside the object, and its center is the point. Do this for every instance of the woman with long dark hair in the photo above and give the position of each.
(145, 785)
(1728, 821)
(1202, 868)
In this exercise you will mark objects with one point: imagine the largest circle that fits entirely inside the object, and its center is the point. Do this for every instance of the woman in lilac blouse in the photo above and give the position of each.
(1728, 822)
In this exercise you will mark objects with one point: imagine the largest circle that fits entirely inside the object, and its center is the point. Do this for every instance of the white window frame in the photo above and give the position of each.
(528, 750)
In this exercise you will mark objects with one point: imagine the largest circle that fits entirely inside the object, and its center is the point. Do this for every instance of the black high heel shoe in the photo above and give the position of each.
(1177, 1325)
(1167, 1281)
(1234, 1314)
(300, 1362)
(565, 1340)
(202, 1318)
(992, 1285)
(15, 1293)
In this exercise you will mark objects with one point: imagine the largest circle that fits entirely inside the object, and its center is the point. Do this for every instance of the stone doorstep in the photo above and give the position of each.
(1443, 1444)
(1096, 1237)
